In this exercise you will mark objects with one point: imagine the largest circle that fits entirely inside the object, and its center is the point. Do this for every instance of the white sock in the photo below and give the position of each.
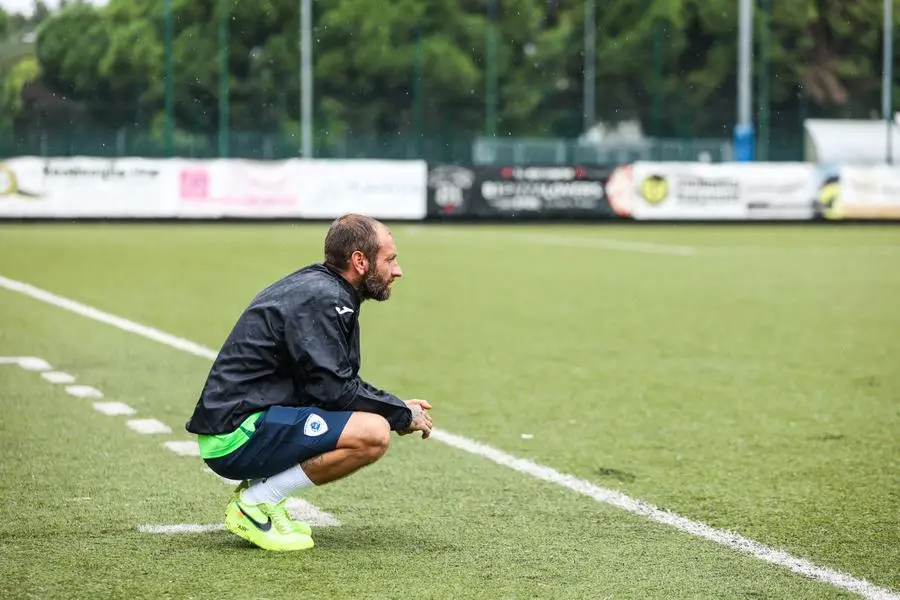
(274, 489)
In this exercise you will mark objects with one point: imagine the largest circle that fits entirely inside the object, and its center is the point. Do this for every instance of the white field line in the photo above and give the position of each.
(225, 480)
(298, 508)
(83, 391)
(148, 426)
(182, 528)
(301, 510)
(58, 377)
(188, 448)
(33, 363)
(312, 514)
(98, 315)
(602, 243)
(607, 243)
(604, 495)
(113, 408)
(644, 509)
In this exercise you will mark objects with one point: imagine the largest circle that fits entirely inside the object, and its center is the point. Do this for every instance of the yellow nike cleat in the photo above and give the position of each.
(265, 525)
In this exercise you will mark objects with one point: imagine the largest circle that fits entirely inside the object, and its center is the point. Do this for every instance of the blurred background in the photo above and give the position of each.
(464, 81)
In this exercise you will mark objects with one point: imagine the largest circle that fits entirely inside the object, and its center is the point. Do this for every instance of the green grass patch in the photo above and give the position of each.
(751, 386)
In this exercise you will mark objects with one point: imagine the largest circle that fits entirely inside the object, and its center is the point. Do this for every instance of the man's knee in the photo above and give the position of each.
(370, 434)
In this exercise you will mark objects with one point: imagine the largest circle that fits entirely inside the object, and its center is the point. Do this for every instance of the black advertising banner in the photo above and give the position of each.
(518, 192)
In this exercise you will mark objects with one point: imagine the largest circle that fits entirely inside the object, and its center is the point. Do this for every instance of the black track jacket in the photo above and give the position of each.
(296, 344)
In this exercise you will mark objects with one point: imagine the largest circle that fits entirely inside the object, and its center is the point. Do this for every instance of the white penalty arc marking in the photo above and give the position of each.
(597, 493)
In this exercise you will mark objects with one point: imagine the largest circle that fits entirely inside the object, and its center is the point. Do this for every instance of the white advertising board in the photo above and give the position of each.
(741, 191)
(84, 187)
(383, 189)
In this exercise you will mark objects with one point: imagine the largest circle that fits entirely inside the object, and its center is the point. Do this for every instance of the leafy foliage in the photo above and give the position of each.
(672, 64)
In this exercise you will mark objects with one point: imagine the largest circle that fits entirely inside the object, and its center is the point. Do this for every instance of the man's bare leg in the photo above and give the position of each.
(365, 439)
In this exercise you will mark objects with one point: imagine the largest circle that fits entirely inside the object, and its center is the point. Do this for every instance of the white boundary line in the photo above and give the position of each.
(148, 426)
(604, 495)
(58, 377)
(644, 509)
(602, 243)
(182, 528)
(606, 243)
(113, 409)
(98, 315)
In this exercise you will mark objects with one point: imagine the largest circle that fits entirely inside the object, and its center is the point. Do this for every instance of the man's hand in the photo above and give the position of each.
(421, 420)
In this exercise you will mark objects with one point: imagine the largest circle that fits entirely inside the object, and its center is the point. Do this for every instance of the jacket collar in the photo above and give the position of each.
(346, 284)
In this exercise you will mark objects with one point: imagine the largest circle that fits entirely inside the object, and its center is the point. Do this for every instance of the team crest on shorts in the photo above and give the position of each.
(315, 426)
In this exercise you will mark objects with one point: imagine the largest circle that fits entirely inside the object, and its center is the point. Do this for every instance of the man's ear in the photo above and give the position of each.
(359, 262)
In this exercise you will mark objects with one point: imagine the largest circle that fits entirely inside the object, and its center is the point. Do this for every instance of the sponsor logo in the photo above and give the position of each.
(449, 184)
(830, 199)
(537, 195)
(618, 190)
(707, 190)
(654, 189)
(104, 173)
(542, 173)
(521, 189)
(264, 526)
(315, 426)
(9, 184)
(193, 184)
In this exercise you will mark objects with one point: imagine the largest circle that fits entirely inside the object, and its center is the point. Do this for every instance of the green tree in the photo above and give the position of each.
(825, 54)
(70, 47)
(5, 23)
(11, 85)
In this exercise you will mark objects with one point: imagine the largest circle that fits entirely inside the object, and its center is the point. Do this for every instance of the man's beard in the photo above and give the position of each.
(374, 287)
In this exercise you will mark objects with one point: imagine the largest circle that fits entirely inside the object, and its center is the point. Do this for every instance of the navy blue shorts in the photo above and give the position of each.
(285, 436)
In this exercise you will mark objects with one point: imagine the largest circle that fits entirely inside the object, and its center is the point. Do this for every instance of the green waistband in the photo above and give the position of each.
(215, 446)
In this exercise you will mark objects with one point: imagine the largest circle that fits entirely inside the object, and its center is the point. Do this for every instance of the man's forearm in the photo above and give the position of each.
(370, 399)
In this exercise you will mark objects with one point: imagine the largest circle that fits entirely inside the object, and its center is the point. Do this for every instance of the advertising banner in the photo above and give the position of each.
(456, 191)
(384, 189)
(723, 191)
(859, 192)
(32, 187)
(238, 188)
(89, 187)
(85, 187)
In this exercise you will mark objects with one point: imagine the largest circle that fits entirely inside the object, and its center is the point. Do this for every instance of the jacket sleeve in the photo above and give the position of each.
(317, 340)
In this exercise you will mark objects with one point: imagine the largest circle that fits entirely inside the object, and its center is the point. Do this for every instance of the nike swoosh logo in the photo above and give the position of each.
(261, 526)
(343, 310)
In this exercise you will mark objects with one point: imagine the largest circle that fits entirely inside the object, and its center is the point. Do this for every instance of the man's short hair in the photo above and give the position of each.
(348, 234)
